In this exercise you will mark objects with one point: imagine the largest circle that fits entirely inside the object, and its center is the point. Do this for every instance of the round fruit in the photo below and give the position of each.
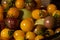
(11, 23)
(13, 12)
(26, 25)
(30, 35)
(5, 33)
(19, 4)
(26, 13)
(1, 9)
(49, 22)
(51, 8)
(39, 37)
(37, 14)
(18, 34)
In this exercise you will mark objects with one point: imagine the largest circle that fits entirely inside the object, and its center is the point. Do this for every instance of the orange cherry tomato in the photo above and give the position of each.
(26, 25)
(13, 12)
(51, 8)
(37, 14)
(30, 35)
(19, 4)
(18, 33)
(5, 33)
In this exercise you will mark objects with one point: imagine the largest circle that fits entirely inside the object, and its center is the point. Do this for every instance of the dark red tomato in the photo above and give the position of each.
(11, 23)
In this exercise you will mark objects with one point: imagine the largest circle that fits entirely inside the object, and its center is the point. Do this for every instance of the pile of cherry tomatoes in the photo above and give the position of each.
(27, 20)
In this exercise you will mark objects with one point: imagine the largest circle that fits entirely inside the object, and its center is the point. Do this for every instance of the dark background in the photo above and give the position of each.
(57, 3)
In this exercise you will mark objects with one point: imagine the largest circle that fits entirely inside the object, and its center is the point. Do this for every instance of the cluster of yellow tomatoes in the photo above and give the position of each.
(31, 23)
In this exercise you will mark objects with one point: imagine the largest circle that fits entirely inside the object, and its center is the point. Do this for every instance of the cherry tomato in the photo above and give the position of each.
(30, 35)
(5, 33)
(51, 8)
(13, 12)
(26, 25)
(18, 33)
(19, 4)
(37, 14)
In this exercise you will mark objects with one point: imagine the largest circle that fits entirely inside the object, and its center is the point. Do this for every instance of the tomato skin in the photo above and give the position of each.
(5, 33)
(51, 8)
(18, 33)
(19, 4)
(26, 23)
(37, 13)
(30, 35)
(13, 12)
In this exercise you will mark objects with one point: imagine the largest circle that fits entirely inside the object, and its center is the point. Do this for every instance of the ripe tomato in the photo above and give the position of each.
(37, 14)
(30, 35)
(18, 33)
(26, 25)
(51, 8)
(5, 33)
(19, 4)
(13, 12)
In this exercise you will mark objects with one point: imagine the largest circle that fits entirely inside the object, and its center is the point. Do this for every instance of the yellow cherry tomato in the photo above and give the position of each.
(37, 14)
(51, 8)
(5, 33)
(39, 37)
(18, 33)
(19, 4)
(30, 35)
(26, 25)
(13, 12)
